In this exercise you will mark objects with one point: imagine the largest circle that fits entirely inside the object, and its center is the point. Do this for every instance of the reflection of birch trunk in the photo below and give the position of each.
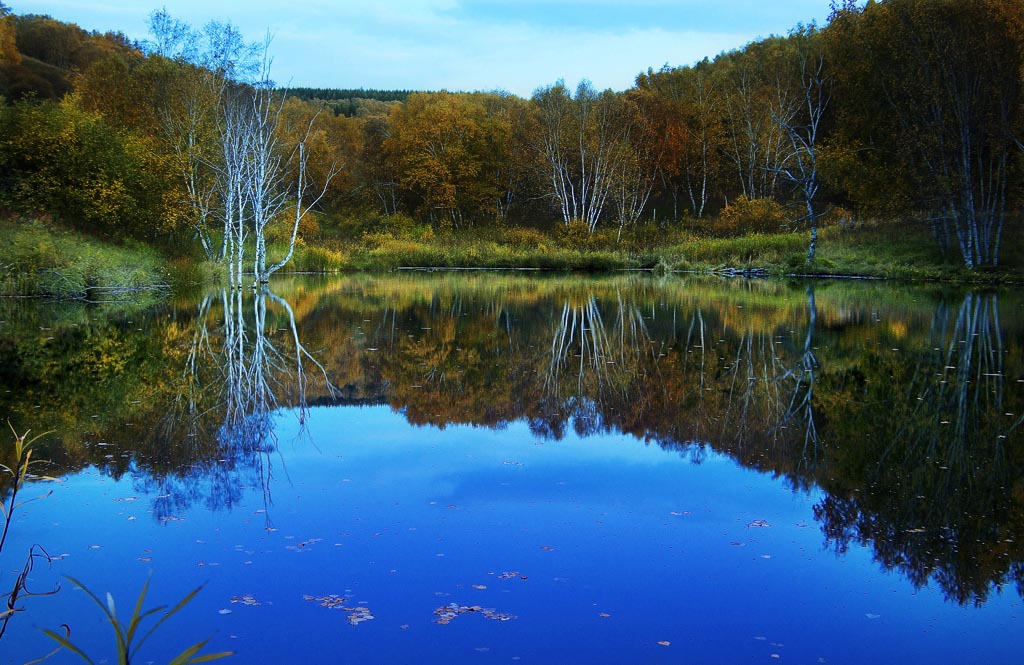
(301, 353)
(581, 344)
(959, 385)
(755, 386)
(238, 382)
(801, 402)
(581, 332)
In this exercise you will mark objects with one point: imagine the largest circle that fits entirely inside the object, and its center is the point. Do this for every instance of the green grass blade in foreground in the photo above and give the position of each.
(127, 648)
(64, 642)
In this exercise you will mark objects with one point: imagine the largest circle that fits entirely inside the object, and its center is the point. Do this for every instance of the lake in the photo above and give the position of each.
(509, 468)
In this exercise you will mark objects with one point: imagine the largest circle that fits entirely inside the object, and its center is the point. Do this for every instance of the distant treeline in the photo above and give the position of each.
(327, 94)
(351, 102)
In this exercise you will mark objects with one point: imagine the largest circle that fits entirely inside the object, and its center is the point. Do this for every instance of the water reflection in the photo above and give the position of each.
(938, 486)
(903, 406)
(242, 362)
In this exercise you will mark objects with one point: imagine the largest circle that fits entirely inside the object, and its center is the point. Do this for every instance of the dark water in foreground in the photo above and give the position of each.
(494, 469)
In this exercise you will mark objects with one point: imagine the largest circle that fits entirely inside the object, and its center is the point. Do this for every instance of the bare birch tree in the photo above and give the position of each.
(580, 143)
(802, 127)
(276, 173)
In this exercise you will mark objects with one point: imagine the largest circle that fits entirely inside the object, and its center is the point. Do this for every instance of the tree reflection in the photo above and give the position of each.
(933, 497)
(236, 375)
(800, 408)
(591, 365)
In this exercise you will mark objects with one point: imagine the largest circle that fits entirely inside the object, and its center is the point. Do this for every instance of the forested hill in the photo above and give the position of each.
(351, 102)
(39, 54)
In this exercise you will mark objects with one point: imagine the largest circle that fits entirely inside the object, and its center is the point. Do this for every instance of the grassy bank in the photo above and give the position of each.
(38, 259)
(867, 251)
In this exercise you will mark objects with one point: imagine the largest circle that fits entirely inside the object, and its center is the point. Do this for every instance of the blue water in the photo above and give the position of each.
(622, 553)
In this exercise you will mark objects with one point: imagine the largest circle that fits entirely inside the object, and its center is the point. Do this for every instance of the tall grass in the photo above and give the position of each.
(20, 473)
(39, 260)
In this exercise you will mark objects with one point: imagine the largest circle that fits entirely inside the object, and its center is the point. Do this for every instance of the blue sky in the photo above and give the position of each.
(465, 44)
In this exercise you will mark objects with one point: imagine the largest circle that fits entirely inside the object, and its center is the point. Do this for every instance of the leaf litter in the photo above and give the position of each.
(358, 614)
(446, 613)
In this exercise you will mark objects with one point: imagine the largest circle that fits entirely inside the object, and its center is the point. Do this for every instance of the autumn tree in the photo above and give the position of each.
(9, 54)
(682, 107)
(756, 103)
(437, 143)
(637, 164)
(580, 142)
(68, 161)
(509, 131)
(929, 95)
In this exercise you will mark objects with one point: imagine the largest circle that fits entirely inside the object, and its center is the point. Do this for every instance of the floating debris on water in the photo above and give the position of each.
(247, 599)
(446, 613)
(759, 523)
(303, 545)
(333, 602)
(358, 614)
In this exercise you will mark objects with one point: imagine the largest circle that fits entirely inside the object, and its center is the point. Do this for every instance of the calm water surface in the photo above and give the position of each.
(496, 469)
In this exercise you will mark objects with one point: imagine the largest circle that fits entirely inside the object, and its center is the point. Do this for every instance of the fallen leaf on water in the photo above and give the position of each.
(333, 602)
(759, 523)
(446, 613)
(357, 615)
